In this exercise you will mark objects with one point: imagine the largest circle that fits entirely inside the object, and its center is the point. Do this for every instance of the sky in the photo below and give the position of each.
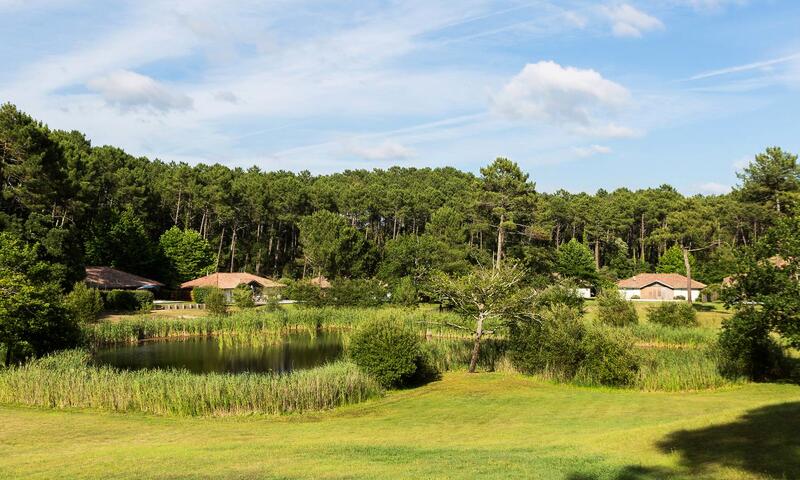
(582, 95)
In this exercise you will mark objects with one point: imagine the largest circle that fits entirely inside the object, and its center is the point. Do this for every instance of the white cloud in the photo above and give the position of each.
(763, 64)
(591, 150)
(579, 100)
(386, 150)
(226, 96)
(713, 188)
(132, 91)
(628, 21)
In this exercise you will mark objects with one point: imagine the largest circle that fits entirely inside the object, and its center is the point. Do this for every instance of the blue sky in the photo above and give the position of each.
(583, 95)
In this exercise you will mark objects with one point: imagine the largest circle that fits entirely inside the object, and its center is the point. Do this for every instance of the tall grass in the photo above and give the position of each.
(661, 335)
(257, 322)
(66, 380)
(675, 370)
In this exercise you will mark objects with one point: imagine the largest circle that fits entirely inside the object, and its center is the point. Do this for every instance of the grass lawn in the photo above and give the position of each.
(484, 425)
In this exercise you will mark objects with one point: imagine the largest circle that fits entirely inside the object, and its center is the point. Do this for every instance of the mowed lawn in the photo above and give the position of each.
(488, 425)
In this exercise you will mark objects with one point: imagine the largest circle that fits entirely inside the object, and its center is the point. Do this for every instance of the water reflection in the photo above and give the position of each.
(295, 351)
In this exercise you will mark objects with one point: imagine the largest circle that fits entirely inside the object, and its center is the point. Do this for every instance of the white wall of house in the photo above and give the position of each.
(629, 293)
(585, 292)
(682, 293)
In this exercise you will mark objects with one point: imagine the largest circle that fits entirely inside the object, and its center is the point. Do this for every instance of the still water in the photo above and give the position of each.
(295, 351)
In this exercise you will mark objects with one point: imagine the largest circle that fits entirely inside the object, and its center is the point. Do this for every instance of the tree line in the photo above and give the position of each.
(77, 204)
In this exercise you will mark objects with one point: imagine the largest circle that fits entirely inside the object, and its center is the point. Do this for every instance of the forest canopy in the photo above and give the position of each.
(81, 204)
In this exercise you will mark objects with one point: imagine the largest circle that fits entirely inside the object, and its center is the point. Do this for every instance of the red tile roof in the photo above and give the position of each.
(672, 280)
(107, 278)
(230, 280)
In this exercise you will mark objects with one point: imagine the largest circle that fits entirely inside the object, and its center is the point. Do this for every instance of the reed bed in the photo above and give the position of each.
(674, 370)
(68, 380)
(660, 335)
(258, 322)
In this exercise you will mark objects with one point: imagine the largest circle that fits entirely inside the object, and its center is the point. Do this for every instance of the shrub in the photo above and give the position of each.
(305, 291)
(356, 293)
(562, 347)
(746, 349)
(679, 297)
(129, 300)
(405, 293)
(243, 297)
(608, 358)
(562, 293)
(672, 314)
(215, 302)
(84, 303)
(550, 346)
(635, 297)
(391, 353)
(199, 294)
(614, 310)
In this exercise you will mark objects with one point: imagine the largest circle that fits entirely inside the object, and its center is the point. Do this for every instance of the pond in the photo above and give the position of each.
(295, 351)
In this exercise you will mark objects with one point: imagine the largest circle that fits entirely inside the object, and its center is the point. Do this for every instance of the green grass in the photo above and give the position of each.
(66, 380)
(495, 426)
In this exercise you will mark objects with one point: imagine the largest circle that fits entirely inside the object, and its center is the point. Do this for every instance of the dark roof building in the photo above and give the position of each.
(107, 278)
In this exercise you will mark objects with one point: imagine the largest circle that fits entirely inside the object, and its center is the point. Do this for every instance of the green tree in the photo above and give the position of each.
(84, 303)
(772, 179)
(334, 248)
(507, 193)
(491, 298)
(33, 319)
(768, 275)
(672, 261)
(575, 261)
(188, 253)
(123, 244)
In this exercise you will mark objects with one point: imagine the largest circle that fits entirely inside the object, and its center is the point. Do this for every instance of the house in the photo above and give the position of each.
(658, 286)
(227, 282)
(107, 278)
(320, 281)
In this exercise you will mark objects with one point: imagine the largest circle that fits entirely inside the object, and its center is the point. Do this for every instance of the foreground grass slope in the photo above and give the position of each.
(486, 425)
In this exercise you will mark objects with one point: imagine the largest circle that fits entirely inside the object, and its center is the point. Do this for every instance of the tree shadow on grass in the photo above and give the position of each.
(630, 473)
(763, 441)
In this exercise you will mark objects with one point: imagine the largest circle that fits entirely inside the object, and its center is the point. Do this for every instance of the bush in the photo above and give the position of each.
(199, 294)
(243, 297)
(614, 310)
(215, 302)
(356, 293)
(608, 358)
(405, 293)
(672, 314)
(563, 293)
(84, 303)
(679, 297)
(129, 300)
(305, 291)
(562, 347)
(746, 349)
(391, 353)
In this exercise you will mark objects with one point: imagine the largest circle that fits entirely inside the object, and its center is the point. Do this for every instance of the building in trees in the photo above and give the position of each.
(227, 282)
(107, 278)
(658, 286)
